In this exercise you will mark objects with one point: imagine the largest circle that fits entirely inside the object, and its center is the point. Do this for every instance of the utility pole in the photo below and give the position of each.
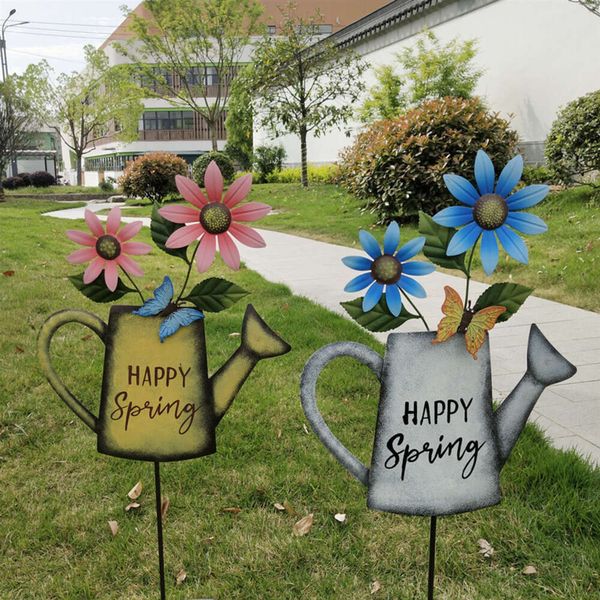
(4, 61)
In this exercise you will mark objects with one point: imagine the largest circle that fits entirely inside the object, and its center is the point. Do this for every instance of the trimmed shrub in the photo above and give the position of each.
(534, 175)
(12, 183)
(26, 177)
(107, 185)
(267, 160)
(397, 165)
(316, 174)
(42, 179)
(573, 145)
(152, 175)
(223, 161)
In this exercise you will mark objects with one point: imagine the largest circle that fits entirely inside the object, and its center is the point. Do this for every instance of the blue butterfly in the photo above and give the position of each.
(163, 296)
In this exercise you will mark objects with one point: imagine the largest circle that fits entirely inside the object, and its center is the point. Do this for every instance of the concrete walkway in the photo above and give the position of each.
(569, 412)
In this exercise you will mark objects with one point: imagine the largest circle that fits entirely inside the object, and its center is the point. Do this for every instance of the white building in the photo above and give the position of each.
(537, 55)
(165, 127)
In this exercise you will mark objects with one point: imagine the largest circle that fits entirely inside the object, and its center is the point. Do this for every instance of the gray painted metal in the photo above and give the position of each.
(438, 447)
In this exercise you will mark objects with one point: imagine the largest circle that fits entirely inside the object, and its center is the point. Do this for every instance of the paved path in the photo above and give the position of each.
(569, 412)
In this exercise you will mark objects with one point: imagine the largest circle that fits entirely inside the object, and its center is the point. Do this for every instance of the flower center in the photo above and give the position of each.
(215, 218)
(108, 247)
(490, 211)
(386, 269)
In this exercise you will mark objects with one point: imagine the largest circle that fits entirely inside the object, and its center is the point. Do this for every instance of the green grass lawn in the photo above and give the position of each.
(57, 493)
(564, 262)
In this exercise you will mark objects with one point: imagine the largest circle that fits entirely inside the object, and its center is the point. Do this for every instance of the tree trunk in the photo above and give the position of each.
(213, 136)
(79, 170)
(303, 156)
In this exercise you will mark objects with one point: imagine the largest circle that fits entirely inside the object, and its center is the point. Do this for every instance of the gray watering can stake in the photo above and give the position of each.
(439, 445)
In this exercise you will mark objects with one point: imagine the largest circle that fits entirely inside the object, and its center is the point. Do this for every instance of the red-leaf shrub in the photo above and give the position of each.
(397, 165)
(152, 175)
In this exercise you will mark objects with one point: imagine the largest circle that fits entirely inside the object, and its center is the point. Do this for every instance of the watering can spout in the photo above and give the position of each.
(258, 342)
(545, 366)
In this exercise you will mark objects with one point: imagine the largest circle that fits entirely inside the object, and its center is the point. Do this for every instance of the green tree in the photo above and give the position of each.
(239, 124)
(300, 86)
(186, 52)
(429, 70)
(592, 5)
(84, 107)
(14, 127)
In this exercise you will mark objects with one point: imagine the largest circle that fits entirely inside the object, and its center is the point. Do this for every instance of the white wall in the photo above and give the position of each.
(537, 56)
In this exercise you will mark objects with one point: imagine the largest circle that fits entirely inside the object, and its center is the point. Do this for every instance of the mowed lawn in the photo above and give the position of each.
(57, 493)
(564, 262)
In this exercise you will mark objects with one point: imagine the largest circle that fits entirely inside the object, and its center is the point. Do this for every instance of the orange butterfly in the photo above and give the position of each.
(460, 320)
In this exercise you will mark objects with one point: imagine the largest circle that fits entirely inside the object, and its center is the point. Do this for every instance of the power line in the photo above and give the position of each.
(73, 24)
(55, 30)
(57, 35)
(79, 62)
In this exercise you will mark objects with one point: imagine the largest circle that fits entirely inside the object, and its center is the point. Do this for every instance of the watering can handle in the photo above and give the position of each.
(317, 362)
(49, 328)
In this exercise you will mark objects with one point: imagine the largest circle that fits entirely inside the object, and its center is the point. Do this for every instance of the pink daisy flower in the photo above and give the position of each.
(107, 249)
(213, 218)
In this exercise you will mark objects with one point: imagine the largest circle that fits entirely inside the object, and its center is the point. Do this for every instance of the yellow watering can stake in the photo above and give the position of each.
(439, 445)
(158, 402)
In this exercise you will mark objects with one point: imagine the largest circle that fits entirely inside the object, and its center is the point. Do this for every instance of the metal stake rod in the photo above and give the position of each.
(161, 557)
(431, 580)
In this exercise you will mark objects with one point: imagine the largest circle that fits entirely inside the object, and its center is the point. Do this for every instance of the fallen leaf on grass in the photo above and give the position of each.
(8, 273)
(529, 570)
(375, 587)
(114, 527)
(234, 510)
(135, 491)
(180, 577)
(279, 506)
(485, 548)
(87, 337)
(19, 350)
(305, 429)
(279, 434)
(132, 506)
(234, 334)
(164, 507)
(340, 517)
(304, 525)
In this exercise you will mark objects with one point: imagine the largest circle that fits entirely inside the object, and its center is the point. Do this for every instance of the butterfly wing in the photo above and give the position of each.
(180, 318)
(481, 322)
(453, 309)
(163, 294)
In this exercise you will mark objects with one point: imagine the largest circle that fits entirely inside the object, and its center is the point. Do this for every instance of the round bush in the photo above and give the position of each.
(42, 179)
(397, 165)
(223, 161)
(573, 145)
(152, 175)
(26, 177)
(12, 183)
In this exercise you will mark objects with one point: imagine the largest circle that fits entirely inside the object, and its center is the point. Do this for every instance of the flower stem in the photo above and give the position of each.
(416, 310)
(137, 289)
(469, 272)
(187, 276)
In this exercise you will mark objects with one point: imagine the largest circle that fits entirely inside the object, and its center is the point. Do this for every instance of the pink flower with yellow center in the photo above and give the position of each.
(213, 218)
(107, 249)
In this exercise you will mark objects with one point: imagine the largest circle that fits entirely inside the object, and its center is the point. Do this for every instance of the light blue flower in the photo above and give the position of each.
(387, 272)
(490, 213)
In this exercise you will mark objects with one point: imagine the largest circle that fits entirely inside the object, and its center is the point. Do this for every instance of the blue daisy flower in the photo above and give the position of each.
(490, 213)
(387, 272)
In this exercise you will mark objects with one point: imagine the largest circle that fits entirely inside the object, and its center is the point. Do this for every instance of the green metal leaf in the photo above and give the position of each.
(215, 294)
(437, 239)
(97, 290)
(510, 295)
(160, 230)
(379, 318)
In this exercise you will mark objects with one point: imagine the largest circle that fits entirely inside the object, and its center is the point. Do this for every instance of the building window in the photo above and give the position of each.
(202, 76)
(271, 29)
(159, 78)
(164, 120)
(325, 29)
(315, 29)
